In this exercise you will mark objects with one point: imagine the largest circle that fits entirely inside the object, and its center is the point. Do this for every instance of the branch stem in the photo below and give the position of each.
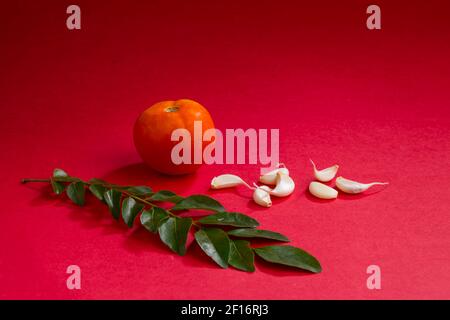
(27, 180)
(106, 185)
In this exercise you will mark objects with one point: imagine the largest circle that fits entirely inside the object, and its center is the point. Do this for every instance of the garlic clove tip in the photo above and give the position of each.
(324, 175)
(354, 187)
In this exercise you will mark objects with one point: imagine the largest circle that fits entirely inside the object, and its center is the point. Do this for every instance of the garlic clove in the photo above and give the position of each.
(353, 187)
(271, 177)
(322, 191)
(284, 185)
(325, 175)
(227, 181)
(261, 196)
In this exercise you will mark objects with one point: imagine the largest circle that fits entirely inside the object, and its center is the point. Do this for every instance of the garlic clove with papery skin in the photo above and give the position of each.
(284, 185)
(353, 187)
(228, 181)
(271, 177)
(261, 196)
(325, 175)
(322, 191)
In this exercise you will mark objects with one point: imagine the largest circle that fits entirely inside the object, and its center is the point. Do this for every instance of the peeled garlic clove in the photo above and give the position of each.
(322, 191)
(227, 181)
(284, 185)
(325, 175)
(349, 186)
(271, 177)
(261, 196)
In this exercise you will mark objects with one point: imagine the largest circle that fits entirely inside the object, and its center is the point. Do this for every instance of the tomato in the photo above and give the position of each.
(153, 130)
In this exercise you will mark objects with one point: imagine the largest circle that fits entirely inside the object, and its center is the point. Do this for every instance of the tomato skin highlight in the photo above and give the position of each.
(153, 130)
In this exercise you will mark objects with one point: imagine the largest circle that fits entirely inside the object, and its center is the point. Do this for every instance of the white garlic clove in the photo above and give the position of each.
(284, 185)
(271, 177)
(261, 196)
(325, 175)
(322, 191)
(227, 181)
(349, 186)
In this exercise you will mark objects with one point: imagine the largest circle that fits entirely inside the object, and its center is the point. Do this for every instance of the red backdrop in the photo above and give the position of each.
(375, 102)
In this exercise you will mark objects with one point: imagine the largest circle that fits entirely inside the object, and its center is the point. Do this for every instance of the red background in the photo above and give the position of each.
(375, 102)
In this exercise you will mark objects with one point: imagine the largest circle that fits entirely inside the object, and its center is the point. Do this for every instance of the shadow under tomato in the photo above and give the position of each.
(141, 174)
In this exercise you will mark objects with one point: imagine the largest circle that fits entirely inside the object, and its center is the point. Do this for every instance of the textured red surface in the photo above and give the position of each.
(376, 102)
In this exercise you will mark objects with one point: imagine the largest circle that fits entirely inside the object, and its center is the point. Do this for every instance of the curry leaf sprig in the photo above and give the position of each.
(219, 234)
